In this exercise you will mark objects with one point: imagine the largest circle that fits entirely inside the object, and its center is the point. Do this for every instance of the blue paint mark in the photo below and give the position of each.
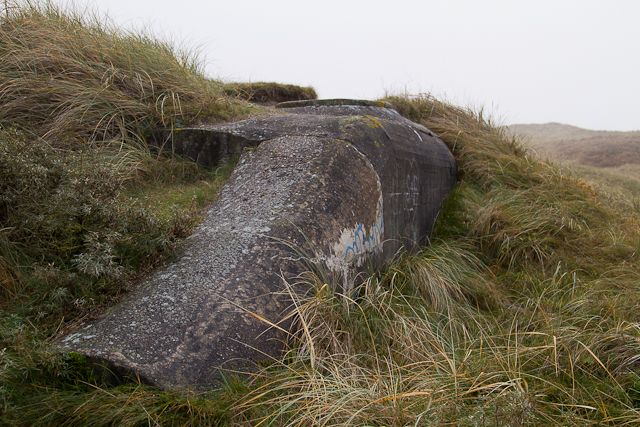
(363, 241)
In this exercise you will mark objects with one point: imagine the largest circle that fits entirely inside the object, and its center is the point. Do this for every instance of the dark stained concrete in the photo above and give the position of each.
(346, 184)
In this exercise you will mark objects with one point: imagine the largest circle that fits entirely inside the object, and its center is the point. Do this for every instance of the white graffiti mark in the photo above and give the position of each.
(362, 240)
(356, 243)
(413, 192)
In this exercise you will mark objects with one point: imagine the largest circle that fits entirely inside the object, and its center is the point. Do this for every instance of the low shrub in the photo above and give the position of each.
(269, 92)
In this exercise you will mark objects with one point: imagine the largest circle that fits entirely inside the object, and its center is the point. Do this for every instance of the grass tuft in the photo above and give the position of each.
(70, 75)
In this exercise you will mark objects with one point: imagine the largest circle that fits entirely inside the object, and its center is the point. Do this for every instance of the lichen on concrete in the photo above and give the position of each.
(346, 184)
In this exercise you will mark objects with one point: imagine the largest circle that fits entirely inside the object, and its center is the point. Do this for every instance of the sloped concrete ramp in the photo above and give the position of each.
(347, 182)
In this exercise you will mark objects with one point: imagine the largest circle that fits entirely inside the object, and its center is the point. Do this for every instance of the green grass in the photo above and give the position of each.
(523, 311)
(164, 197)
(86, 207)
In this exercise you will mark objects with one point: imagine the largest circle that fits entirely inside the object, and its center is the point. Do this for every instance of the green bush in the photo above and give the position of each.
(269, 92)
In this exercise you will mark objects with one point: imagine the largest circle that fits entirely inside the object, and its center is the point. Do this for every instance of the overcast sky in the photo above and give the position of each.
(571, 61)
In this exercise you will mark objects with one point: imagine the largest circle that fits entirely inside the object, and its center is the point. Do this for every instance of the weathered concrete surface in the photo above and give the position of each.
(349, 183)
(415, 167)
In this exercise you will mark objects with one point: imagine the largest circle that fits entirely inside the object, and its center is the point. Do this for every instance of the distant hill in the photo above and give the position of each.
(609, 159)
(587, 147)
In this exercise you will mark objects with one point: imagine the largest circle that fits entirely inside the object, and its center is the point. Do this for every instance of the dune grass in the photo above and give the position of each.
(522, 311)
(86, 206)
(71, 75)
(80, 103)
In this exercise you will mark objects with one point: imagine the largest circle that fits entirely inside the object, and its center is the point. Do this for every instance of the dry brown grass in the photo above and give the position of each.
(64, 76)
(523, 311)
(603, 149)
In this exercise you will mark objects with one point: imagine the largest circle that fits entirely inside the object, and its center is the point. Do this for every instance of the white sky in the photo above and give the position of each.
(571, 61)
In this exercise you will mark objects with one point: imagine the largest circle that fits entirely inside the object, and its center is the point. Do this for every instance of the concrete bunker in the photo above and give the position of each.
(351, 182)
